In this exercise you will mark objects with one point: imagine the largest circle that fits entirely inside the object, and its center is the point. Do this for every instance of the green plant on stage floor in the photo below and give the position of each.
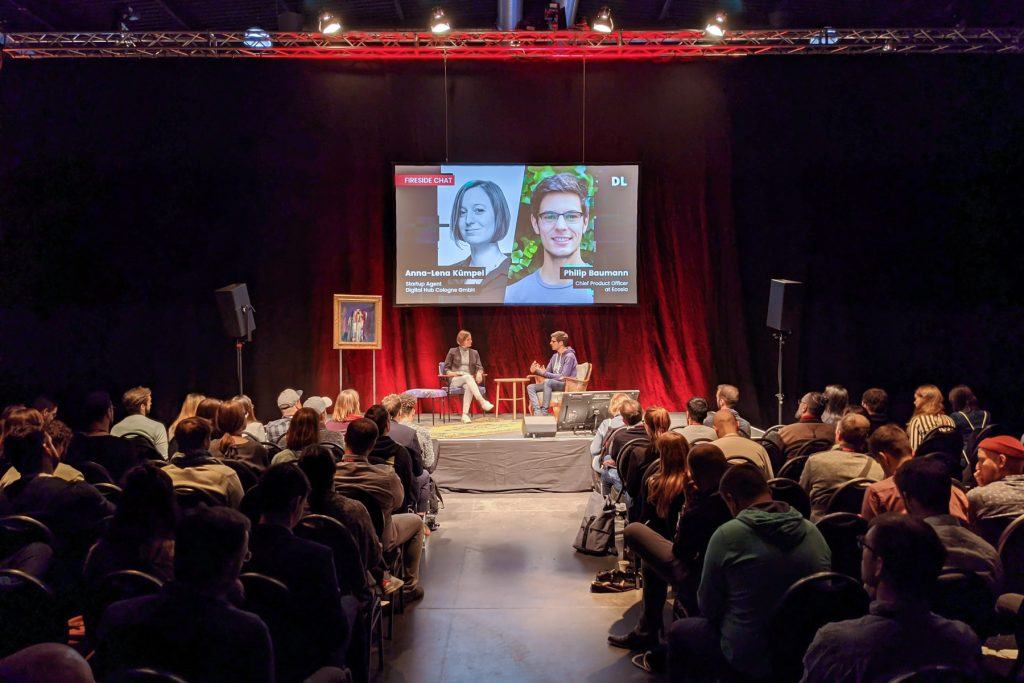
(527, 245)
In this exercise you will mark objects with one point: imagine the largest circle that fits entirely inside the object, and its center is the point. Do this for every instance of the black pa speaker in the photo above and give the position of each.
(236, 313)
(539, 425)
(784, 305)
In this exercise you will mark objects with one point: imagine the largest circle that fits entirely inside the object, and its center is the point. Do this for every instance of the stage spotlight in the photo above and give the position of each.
(603, 21)
(827, 36)
(257, 39)
(716, 27)
(439, 22)
(329, 24)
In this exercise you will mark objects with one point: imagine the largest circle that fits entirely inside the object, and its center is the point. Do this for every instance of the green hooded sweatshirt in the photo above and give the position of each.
(750, 562)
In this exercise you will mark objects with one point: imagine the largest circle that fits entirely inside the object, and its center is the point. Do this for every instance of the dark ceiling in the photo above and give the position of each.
(101, 15)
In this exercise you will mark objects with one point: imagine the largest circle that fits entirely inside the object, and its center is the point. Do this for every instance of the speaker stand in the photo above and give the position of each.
(780, 337)
(239, 343)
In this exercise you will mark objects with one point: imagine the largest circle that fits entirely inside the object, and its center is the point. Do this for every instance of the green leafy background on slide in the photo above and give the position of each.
(528, 242)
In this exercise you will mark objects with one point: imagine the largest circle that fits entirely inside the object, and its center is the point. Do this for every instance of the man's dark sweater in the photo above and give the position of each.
(387, 452)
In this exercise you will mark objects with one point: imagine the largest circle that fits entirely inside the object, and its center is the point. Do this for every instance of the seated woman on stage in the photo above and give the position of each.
(464, 367)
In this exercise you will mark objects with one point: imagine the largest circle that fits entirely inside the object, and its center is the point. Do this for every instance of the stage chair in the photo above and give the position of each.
(841, 530)
(446, 385)
(809, 604)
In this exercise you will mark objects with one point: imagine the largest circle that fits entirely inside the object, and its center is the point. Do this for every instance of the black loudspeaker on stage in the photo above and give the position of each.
(535, 426)
(237, 316)
(784, 302)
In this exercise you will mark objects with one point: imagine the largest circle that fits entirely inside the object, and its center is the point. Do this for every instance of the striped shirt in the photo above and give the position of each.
(920, 425)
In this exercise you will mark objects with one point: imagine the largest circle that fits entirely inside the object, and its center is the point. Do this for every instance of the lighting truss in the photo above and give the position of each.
(515, 45)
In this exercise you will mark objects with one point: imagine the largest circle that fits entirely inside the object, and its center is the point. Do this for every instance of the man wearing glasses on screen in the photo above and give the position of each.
(559, 214)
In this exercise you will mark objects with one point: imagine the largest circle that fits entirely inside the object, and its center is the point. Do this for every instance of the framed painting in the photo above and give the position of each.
(357, 321)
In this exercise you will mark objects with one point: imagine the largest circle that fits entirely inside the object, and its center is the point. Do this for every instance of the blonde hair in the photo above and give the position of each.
(933, 403)
(461, 336)
(135, 398)
(616, 403)
(346, 404)
(188, 409)
(250, 410)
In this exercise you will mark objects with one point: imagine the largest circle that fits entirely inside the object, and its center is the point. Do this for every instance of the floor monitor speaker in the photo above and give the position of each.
(539, 425)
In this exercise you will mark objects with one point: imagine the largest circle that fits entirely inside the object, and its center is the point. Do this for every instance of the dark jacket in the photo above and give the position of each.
(353, 515)
(317, 625)
(74, 511)
(404, 435)
(387, 452)
(117, 455)
(202, 639)
(624, 436)
(696, 526)
(453, 361)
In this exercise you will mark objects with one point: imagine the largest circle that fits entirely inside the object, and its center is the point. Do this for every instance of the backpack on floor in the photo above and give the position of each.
(597, 530)
(435, 503)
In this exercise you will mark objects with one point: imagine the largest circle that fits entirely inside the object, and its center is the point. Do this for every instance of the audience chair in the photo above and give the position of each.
(793, 468)
(437, 455)
(270, 600)
(809, 604)
(248, 475)
(336, 451)
(814, 446)
(773, 429)
(111, 492)
(94, 472)
(17, 531)
(189, 497)
(272, 448)
(773, 446)
(146, 676)
(966, 597)
(328, 531)
(393, 558)
(29, 613)
(938, 673)
(740, 460)
(849, 497)
(789, 491)
(250, 505)
(1011, 555)
(841, 530)
(145, 449)
(697, 441)
(114, 587)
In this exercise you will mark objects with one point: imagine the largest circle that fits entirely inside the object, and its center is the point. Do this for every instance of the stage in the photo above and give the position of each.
(490, 455)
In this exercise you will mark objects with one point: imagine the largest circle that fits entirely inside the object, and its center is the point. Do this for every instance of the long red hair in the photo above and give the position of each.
(668, 482)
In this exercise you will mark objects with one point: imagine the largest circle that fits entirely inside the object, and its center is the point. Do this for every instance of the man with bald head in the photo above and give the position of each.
(827, 471)
(735, 445)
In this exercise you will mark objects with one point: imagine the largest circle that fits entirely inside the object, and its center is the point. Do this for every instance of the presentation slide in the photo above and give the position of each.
(516, 235)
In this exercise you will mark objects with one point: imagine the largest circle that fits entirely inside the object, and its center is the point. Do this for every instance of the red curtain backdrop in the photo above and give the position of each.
(662, 346)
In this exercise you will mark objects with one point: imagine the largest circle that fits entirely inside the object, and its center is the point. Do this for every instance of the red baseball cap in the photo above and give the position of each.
(1004, 445)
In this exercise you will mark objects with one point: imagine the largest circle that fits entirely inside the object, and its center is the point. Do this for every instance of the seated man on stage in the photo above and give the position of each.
(561, 366)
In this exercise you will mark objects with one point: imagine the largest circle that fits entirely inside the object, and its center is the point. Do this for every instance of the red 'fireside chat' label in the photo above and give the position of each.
(424, 179)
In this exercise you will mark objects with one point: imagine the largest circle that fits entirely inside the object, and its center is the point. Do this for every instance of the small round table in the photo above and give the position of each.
(516, 395)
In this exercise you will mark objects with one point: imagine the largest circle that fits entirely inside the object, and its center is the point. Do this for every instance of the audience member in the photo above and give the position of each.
(696, 413)
(387, 452)
(677, 562)
(836, 399)
(194, 466)
(138, 403)
(632, 429)
(47, 406)
(967, 415)
(253, 427)
(189, 628)
(233, 443)
(320, 620)
(735, 445)
(45, 663)
(633, 467)
(406, 416)
(319, 466)
(1000, 477)
(876, 402)
(750, 562)
(356, 473)
(60, 436)
(346, 409)
(661, 496)
(602, 435)
(303, 431)
(288, 402)
(95, 444)
(924, 485)
(929, 413)
(808, 426)
(188, 409)
(320, 404)
(207, 409)
(405, 436)
(890, 446)
(141, 534)
(826, 471)
(902, 558)
(726, 397)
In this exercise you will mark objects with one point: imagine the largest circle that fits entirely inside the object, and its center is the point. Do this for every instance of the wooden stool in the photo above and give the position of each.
(516, 395)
